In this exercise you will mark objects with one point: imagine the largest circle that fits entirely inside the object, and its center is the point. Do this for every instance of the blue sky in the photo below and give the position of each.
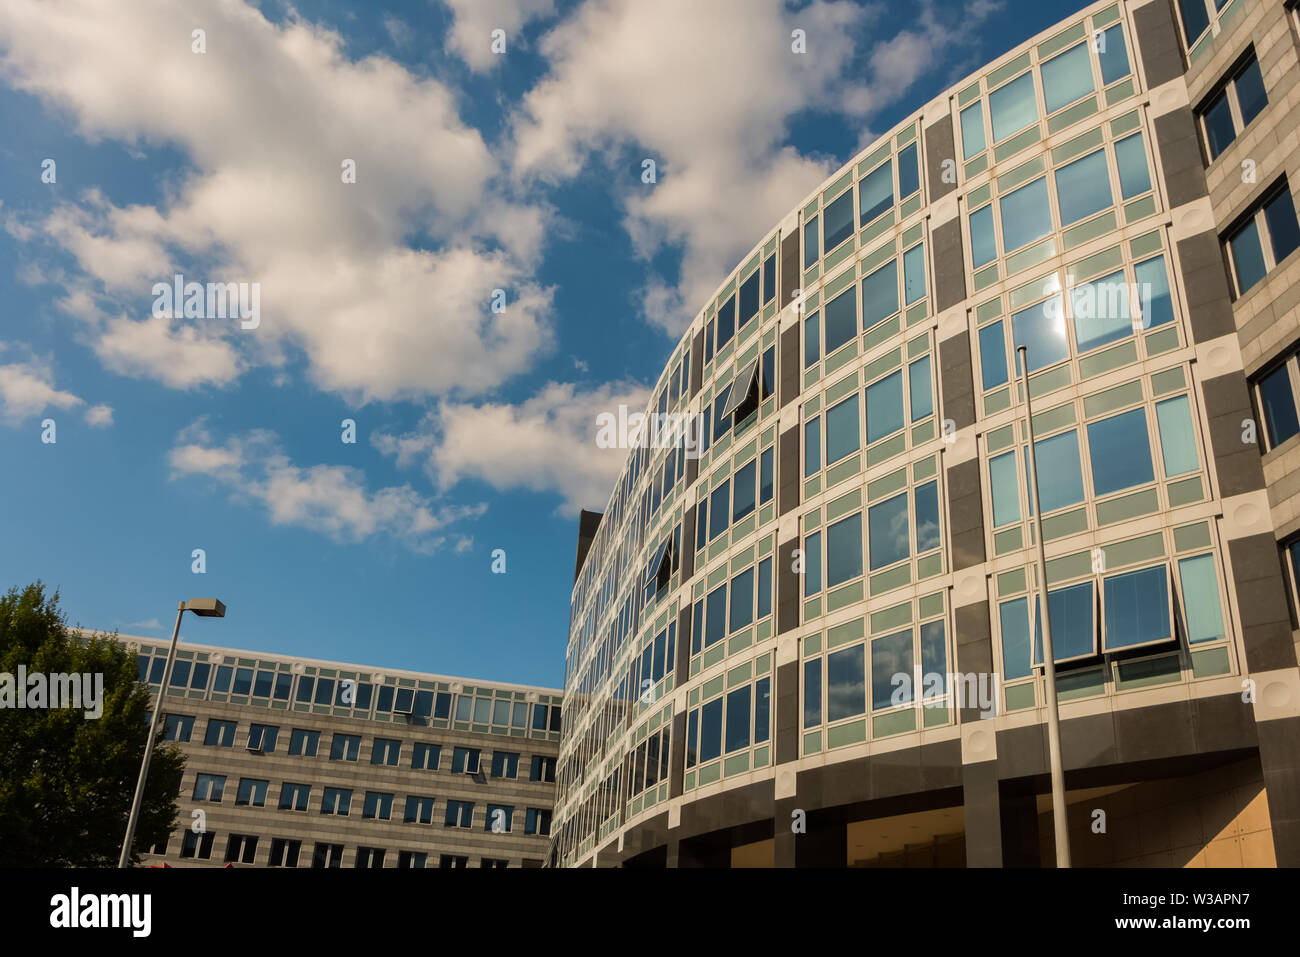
(475, 171)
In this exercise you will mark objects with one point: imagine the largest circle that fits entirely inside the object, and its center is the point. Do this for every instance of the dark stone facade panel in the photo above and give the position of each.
(1227, 408)
(1157, 37)
(940, 148)
(1180, 157)
(788, 389)
(982, 811)
(949, 265)
(1262, 600)
(787, 712)
(788, 486)
(791, 278)
(956, 385)
(965, 515)
(1205, 280)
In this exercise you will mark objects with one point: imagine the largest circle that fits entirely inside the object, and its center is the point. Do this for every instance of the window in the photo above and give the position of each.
(337, 801)
(537, 821)
(1276, 394)
(425, 756)
(1154, 303)
(412, 859)
(715, 623)
(845, 684)
(812, 575)
(241, 848)
(252, 793)
(294, 797)
(993, 355)
(177, 727)
(1004, 489)
(972, 129)
(1177, 439)
(887, 532)
(459, 814)
(1067, 78)
(1074, 634)
(842, 437)
(749, 289)
(378, 806)
(837, 222)
(844, 550)
(220, 733)
(719, 509)
(284, 852)
(812, 692)
(495, 863)
(345, 747)
(1013, 107)
(243, 681)
(742, 601)
(1137, 608)
(983, 244)
(1120, 452)
(1060, 473)
(909, 172)
(927, 517)
(1195, 17)
(812, 446)
(1113, 54)
(505, 764)
(498, 819)
(209, 787)
(1230, 109)
(1026, 215)
(262, 738)
(1101, 311)
(1013, 619)
(327, 855)
(419, 810)
(453, 860)
(369, 857)
(197, 846)
(303, 743)
(464, 760)
(1041, 329)
(765, 476)
(812, 340)
(543, 769)
(386, 751)
(914, 274)
(875, 193)
(842, 319)
(726, 322)
(1083, 188)
(811, 247)
(879, 298)
(1267, 237)
(711, 730)
(1134, 174)
(745, 490)
(1202, 611)
(739, 719)
(891, 657)
(884, 400)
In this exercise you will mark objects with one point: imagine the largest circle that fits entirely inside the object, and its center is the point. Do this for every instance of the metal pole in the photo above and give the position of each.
(1060, 822)
(148, 748)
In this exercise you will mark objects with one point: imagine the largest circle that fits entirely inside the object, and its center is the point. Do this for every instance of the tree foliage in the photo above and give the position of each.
(66, 781)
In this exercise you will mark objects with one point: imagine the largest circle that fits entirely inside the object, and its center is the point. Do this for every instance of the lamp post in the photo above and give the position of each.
(204, 608)
(1060, 822)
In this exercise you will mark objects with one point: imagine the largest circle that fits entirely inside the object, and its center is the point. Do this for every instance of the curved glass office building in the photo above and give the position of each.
(809, 633)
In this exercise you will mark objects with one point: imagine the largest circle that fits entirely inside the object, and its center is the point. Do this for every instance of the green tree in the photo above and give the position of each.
(66, 781)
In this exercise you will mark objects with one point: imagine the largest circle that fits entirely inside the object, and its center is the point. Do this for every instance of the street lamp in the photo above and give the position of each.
(1060, 823)
(204, 608)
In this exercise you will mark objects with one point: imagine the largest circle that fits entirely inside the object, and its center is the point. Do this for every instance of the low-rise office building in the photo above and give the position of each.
(295, 762)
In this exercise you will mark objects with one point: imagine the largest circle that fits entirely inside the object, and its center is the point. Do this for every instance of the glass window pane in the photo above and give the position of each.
(983, 245)
(1134, 176)
(1283, 229)
(888, 531)
(972, 129)
(1220, 130)
(1005, 489)
(842, 319)
(885, 406)
(1154, 301)
(719, 509)
(1101, 311)
(993, 355)
(745, 479)
(1247, 256)
(844, 550)
(1120, 452)
(842, 429)
(726, 321)
(749, 288)
(715, 616)
(879, 297)
(812, 692)
(812, 340)
(1073, 633)
(1201, 608)
(1083, 188)
(811, 243)
(711, 730)
(837, 221)
(1013, 107)
(1278, 401)
(1026, 215)
(762, 710)
(876, 193)
(812, 573)
(1137, 608)
(1251, 96)
(846, 689)
(1042, 329)
(914, 274)
(1013, 617)
(934, 658)
(1113, 55)
(812, 446)
(738, 719)
(891, 670)
(909, 177)
(1067, 77)
(920, 395)
(742, 600)
(1060, 474)
(1196, 19)
(927, 517)
(1177, 440)
(765, 588)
